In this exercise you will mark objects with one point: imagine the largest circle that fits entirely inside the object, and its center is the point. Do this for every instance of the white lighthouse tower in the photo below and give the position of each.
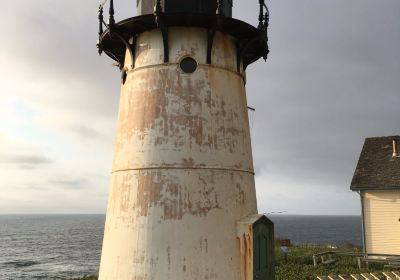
(182, 202)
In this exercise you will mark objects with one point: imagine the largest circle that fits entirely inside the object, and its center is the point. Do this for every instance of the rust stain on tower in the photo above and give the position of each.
(182, 177)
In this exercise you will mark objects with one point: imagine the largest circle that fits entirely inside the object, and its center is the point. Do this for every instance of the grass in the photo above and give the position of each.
(300, 264)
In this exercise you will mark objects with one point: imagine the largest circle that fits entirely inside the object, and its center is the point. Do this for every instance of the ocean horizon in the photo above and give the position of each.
(57, 246)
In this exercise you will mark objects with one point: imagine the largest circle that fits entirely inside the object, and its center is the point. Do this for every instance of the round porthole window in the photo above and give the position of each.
(188, 65)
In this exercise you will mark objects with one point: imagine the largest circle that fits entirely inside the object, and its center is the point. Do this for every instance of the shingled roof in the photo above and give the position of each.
(377, 169)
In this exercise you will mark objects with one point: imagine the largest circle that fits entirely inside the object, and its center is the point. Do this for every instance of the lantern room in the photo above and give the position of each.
(186, 6)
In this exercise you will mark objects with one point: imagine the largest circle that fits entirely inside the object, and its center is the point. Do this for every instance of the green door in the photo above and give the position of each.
(263, 251)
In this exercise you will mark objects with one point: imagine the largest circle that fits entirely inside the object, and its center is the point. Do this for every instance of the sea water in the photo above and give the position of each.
(66, 246)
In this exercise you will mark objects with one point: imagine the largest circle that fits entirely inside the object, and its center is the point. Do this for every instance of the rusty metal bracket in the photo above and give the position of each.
(242, 48)
(164, 29)
(124, 75)
(133, 42)
(238, 55)
(210, 42)
(211, 35)
(116, 58)
(164, 32)
(128, 46)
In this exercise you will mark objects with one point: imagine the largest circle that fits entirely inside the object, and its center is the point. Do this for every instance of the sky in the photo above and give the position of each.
(332, 79)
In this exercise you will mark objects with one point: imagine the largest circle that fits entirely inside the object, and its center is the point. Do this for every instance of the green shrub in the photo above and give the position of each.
(300, 263)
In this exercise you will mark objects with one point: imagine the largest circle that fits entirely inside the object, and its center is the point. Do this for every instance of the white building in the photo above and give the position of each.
(377, 180)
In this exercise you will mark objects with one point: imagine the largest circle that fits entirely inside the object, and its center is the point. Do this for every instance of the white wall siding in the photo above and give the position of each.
(381, 221)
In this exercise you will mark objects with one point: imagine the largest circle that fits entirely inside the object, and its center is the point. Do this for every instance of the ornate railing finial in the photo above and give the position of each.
(266, 25)
(101, 20)
(111, 20)
(261, 15)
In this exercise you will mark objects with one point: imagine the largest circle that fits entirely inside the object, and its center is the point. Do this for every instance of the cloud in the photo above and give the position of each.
(330, 81)
(86, 131)
(70, 183)
(27, 161)
(37, 188)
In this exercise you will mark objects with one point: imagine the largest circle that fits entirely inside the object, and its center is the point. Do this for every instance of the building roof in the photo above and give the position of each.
(377, 169)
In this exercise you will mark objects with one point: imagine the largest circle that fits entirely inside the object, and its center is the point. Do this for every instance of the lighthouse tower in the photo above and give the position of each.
(182, 202)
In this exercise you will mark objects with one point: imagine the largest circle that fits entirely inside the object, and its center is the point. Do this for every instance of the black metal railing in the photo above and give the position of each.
(113, 32)
(263, 24)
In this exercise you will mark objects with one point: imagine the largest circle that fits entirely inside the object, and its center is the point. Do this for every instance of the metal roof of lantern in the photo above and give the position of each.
(379, 166)
(214, 15)
(177, 6)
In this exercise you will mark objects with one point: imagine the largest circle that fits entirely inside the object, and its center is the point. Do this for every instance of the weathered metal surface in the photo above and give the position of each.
(249, 231)
(182, 172)
(245, 241)
(184, 41)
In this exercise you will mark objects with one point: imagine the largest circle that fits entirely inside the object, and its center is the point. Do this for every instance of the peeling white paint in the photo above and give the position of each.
(182, 171)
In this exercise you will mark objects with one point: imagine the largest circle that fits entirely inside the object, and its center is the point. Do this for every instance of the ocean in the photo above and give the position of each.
(65, 246)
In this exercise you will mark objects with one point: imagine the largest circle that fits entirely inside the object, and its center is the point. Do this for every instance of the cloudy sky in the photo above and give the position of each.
(332, 79)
